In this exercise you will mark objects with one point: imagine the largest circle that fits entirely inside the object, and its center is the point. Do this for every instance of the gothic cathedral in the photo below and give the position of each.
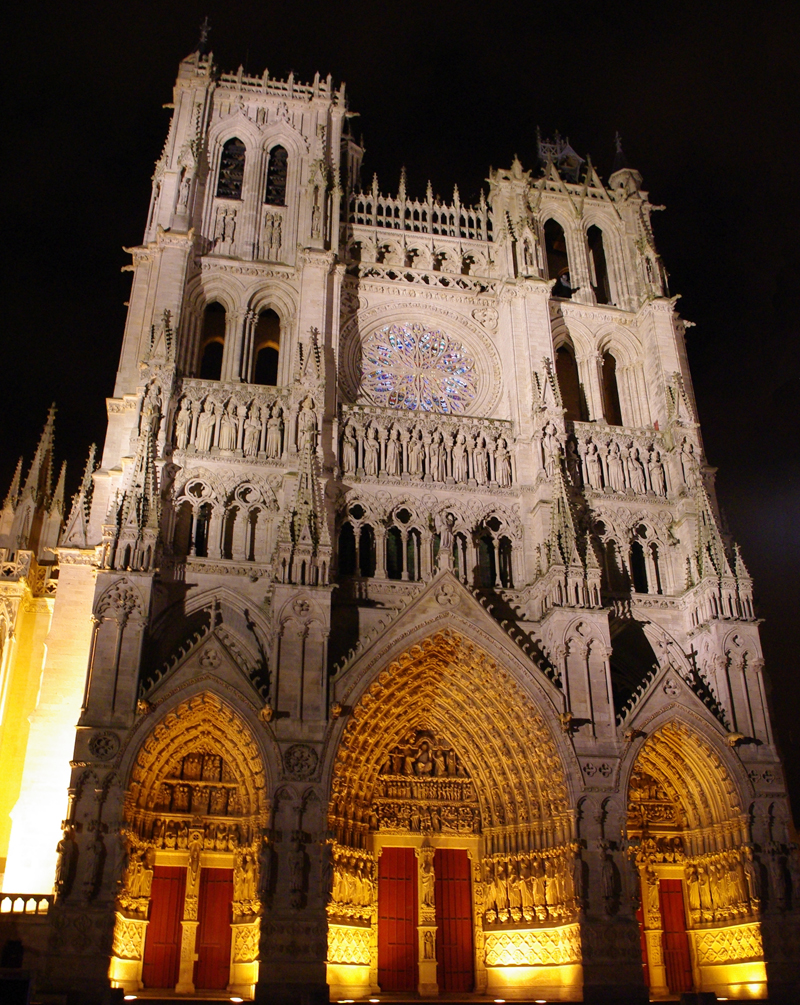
(393, 643)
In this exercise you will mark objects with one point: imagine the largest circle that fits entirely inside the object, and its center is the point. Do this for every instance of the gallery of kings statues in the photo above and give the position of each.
(393, 642)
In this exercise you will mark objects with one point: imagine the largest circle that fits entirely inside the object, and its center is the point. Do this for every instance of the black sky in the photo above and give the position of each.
(706, 98)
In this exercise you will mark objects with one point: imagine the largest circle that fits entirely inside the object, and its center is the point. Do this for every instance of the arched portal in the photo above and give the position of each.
(453, 856)
(195, 815)
(700, 884)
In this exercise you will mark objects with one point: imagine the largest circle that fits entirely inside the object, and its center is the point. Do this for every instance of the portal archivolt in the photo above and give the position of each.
(445, 755)
(195, 812)
(699, 880)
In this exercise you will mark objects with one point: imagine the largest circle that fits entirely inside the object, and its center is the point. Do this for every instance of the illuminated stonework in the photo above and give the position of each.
(413, 367)
(405, 649)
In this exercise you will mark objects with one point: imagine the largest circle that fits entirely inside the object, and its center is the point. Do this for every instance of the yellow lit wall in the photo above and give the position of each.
(42, 802)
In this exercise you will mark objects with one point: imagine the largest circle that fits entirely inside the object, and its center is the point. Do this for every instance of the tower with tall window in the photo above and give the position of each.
(396, 638)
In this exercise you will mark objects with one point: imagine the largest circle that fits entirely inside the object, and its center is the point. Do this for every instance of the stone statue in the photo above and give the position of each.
(205, 426)
(274, 430)
(502, 464)
(594, 473)
(636, 472)
(427, 879)
(616, 476)
(657, 479)
(392, 458)
(227, 431)
(183, 424)
(371, 452)
(67, 850)
(307, 426)
(297, 862)
(607, 882)
(252, 434)
(349, 450)
(460, 465)
(480, 462)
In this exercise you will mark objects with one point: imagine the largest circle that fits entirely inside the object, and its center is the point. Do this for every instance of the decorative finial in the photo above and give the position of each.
(202, 42)
(618, 142)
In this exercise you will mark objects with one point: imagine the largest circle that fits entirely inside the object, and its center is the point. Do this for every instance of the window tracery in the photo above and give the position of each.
(416, 367)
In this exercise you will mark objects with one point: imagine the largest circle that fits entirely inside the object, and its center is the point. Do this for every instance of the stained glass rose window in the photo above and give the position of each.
(416, 367)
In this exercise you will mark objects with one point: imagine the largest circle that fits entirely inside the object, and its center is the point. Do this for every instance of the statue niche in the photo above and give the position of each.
(423, 787)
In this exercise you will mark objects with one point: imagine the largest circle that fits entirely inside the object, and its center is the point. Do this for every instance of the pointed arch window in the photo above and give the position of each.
(277, 170)
(212, 342)
(612, 410)
(570, 385)
(231, 169)
(267, 344)
(601, 286)
(555, 244)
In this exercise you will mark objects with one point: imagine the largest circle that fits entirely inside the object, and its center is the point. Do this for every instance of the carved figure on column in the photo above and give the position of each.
(657, 478)
(752, 877)
(205, 426)
(607, 880)
(252, 433)
(183, 424)
(227, 430)
(349, 450)
(616, 476)
(636, 472)
(371, 452)
(297, 861)
(427, 879)
(307, 426)
(480, 462)
(66, 865)
(95, 867)
(594, 473)
(460, 463)
(274, 431)
(502, 464)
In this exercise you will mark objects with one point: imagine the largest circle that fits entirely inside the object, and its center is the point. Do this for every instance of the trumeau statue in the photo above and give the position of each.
(448, 610)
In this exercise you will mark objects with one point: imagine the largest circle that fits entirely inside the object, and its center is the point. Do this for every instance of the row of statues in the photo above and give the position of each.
(353, 886)
(454, 790)
(534, 887)
(425, 818)
(425, 759)
(202, 799)
(613, 465)
(171, 834)
(438, 455)
(248, 430)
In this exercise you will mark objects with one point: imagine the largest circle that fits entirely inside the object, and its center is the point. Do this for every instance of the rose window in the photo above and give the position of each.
(415, 367)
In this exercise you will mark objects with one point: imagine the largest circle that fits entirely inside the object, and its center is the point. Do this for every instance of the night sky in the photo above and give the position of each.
(706, 99)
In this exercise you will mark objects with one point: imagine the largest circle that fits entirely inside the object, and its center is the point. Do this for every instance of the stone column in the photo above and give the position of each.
(189, 925)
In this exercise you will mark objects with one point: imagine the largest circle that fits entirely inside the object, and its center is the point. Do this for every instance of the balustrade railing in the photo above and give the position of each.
(432, 216)
(25, 903)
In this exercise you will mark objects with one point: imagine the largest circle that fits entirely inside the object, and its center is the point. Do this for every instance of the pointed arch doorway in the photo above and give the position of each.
(699, 919)
(453, 856)
(187, 915)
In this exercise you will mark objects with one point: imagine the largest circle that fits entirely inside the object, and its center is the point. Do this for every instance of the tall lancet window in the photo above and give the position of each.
(212, 342)
(275, 194)
(231, 170)
(267, 344)
(555, 244)
(601, 287)
(612, 410)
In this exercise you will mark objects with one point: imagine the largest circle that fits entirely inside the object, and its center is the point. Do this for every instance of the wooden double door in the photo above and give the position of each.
(162, 948)
(398, 912)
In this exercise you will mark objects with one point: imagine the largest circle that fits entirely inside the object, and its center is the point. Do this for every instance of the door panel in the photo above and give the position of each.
(162, 947)
(212, 971)
(676, 942)
(454, 950)
(397, 920)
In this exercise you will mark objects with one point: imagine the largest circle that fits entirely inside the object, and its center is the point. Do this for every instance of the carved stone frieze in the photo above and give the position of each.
(533, 947)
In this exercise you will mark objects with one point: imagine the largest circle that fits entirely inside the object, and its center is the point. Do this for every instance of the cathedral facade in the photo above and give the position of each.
(393, 643)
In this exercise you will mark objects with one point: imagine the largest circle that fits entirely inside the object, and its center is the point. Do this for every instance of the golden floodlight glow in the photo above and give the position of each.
(129, 998)
(237, 999)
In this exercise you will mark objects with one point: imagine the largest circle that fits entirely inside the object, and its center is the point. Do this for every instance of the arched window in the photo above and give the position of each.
(212, 342)
(347, 550)
(612, 410)
(394, 553)
(601, 287)
(275, 194)
(366, 551)
(504, 554)
(267, 341)
(570, 386)
(557, 261)
(486, 571)
(231, 170)
(638, 568)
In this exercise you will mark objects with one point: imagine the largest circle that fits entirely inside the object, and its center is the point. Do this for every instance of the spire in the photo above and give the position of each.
(202, 42)
(39, 480)
(77, 528)
(401, 190)
(13, 493)
(620, 160)
(57, 502)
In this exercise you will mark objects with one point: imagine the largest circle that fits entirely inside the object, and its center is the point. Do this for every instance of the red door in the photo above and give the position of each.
(454, 959)
(212, 972)
(397, 920)
(676, 941)
(162, 946)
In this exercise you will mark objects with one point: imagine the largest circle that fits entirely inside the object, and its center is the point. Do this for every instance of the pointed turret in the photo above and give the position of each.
(623, 176)
(139, 515)
(54, 519)
(76, 532)
(12, 496)
(27, 510)
(39, 481)
(10, 508)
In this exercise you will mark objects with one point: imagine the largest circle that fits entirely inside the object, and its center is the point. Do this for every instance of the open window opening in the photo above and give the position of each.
(612, 410)
(267, 342)
(601, 286)
(212, 342)
(555, 244)
(275, 194)
(231, 170)
(570, 385)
